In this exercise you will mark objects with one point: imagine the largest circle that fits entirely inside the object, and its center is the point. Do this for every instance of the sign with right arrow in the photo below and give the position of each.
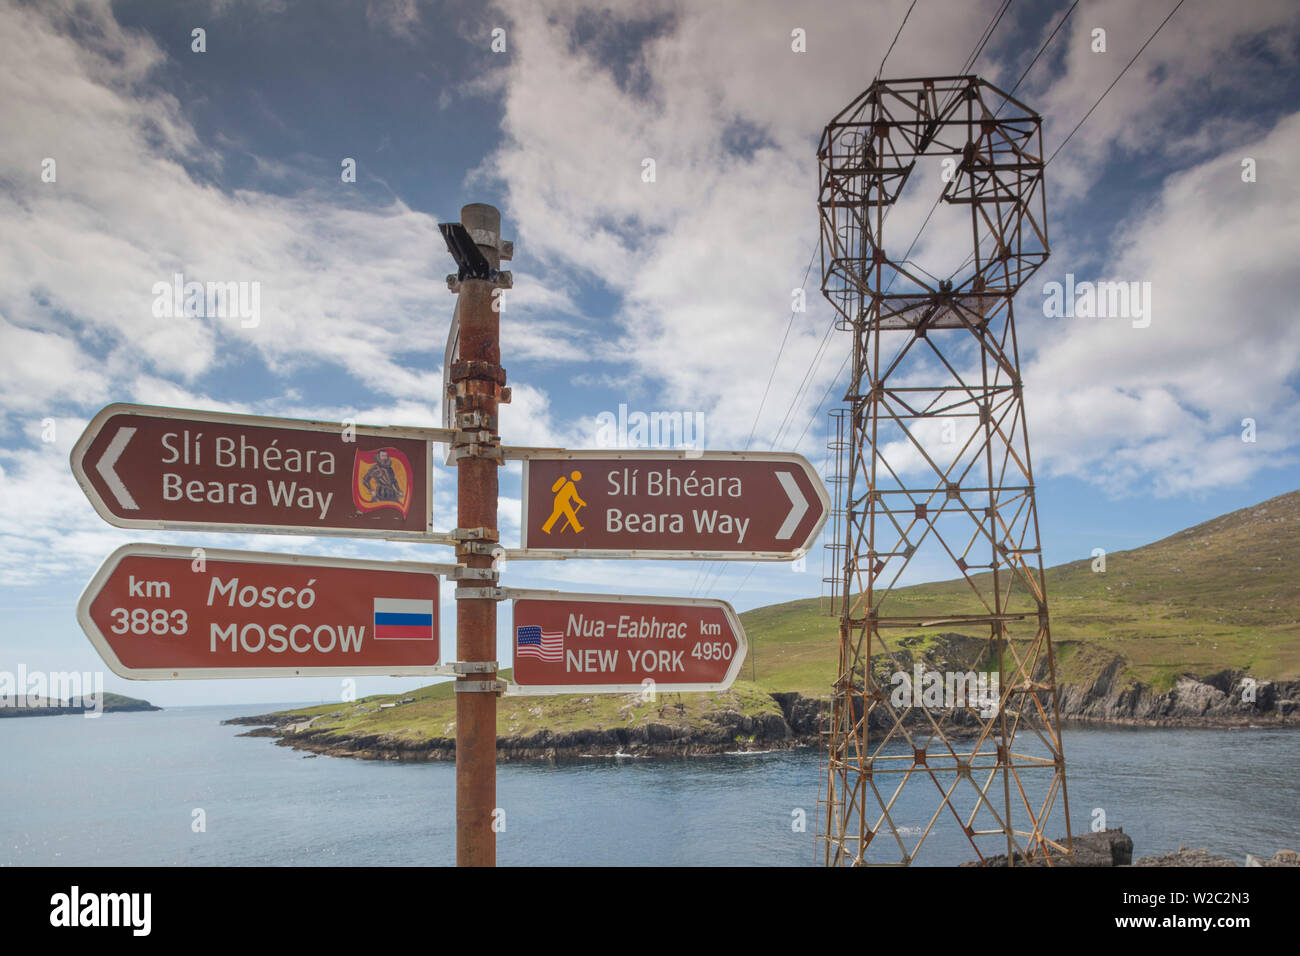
(612, 644)
(670, 504)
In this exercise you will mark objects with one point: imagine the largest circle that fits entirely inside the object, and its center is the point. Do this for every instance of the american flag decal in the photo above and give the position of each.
(532, 641)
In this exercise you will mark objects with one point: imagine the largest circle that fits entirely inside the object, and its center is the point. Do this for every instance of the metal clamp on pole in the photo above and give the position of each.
(480, 594)
(458, 391)
(490, 548)
(479, 371)
(476, 451)
(480, 687)
(473, 420)
(498, 280)
(477, 541)
(475, 667)
(461, 572)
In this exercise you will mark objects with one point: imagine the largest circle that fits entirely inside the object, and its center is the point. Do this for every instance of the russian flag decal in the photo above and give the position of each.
(401, 619)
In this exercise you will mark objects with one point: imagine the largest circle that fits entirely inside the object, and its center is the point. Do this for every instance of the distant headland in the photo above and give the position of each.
(29, 706)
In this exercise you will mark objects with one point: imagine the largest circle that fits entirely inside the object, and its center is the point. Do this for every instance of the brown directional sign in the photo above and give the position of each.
(144, 467)
(670, 504)
(585, 643)
(156, 612)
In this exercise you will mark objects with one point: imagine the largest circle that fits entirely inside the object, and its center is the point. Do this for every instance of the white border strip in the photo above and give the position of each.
(179, 553)
(450, 355)
(522, 690)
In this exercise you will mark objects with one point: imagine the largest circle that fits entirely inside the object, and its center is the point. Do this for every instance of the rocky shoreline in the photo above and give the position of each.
(1213, 702)
(60, 708)
(660, 740)
(1114, 848)
(1226, 699)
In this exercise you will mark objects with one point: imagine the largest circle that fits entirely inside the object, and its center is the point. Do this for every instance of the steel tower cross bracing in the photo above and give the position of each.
(944, 717)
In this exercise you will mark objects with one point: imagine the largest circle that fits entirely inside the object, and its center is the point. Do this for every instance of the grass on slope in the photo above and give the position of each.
(431, 712)
(1223, 594)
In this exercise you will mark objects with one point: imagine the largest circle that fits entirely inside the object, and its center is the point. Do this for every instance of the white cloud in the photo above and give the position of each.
(1160, 106)
(701, 262)
(703, 259)
(1161, 407)
(340, 283)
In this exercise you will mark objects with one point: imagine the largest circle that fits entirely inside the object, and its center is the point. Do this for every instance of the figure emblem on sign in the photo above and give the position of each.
(381, 479)
(567, 503)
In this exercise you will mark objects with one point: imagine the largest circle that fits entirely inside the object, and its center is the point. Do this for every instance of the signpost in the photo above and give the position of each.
(144, 467)
(476, 382)
(155, 612)
(670, 504)
(585, 643)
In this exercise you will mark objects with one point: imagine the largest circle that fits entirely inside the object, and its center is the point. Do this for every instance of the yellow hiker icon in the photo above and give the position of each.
(566, 497)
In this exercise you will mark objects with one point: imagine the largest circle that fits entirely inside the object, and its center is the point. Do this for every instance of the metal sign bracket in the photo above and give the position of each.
(497, 687)
(472, 594)
(474, 667)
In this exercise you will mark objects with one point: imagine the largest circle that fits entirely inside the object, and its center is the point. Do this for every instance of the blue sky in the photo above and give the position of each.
(667, 296)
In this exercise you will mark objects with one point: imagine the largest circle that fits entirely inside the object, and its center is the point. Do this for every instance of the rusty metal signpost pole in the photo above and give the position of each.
(475, 382)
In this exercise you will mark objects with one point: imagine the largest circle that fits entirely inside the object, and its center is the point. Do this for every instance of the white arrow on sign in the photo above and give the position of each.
(105, 468)
(798, 505)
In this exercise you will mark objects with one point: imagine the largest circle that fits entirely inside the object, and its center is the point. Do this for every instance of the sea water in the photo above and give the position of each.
(177, 787)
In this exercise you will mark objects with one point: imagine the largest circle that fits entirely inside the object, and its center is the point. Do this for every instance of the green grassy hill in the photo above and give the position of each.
(429, 714)
(47, 706)
(1224, 595)
(1221, 595)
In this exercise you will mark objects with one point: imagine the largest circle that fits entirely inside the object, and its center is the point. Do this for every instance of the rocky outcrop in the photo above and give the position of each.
(723, 732)
(129, 706)
(1280, 858)
(805, 716)
(1229, 698)
(1115, 848)
(1106, 848)
(51, 710)
(265, 720)
(1185, 856)
(47, 707)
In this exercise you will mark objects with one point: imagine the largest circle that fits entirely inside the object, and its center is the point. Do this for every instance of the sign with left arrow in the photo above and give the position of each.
(166, 468)
(157, 612)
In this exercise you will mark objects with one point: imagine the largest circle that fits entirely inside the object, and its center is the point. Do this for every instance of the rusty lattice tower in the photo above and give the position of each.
(934, 476)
